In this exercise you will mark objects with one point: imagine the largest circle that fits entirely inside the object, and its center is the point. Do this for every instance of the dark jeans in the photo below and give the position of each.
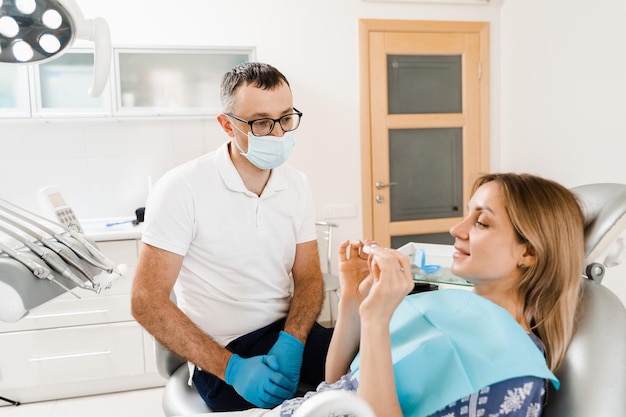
(220, 396)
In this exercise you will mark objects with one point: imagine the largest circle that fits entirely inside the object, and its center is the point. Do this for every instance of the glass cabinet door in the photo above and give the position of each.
(62, 87)
(14, 91)
(172, 82)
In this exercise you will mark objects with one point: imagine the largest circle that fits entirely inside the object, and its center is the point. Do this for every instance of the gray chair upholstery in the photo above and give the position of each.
(593, 375)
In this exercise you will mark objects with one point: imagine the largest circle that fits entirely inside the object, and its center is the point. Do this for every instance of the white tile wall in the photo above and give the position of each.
(102, 167)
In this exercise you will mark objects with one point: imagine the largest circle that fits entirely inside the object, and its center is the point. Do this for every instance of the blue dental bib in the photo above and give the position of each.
(450, 343)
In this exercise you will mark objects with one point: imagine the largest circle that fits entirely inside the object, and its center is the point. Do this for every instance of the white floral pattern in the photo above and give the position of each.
(518, 397)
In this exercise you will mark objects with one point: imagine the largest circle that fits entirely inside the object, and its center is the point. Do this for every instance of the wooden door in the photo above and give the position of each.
(424, 125)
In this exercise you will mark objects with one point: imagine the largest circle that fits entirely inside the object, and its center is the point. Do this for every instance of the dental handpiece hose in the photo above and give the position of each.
(65, 253)
(52, 260)
(95, 252)
(38, 270)
(72, 245)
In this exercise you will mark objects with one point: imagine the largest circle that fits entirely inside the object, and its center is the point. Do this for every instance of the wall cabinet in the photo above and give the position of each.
(60, 87)
(71, 347)
(143, 82)
(171, 81)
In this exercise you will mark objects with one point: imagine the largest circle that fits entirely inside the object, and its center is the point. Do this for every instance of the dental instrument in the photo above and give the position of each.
(73, 246)
(120, 223)
(52, 260)
(64, 252)
(91, 248)
(38, 270)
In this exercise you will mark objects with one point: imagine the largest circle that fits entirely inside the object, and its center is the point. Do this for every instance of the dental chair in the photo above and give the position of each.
(593, 375)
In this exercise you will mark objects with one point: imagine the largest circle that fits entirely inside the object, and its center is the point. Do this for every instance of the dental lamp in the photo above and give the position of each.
(37, 31)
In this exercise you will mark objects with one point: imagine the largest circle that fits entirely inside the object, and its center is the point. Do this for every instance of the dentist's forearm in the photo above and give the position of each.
(305, 308)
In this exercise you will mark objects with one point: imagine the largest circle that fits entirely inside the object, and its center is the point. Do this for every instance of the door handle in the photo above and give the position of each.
(379, 185)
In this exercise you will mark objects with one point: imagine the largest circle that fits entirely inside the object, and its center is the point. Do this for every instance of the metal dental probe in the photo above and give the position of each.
(62, 239)
(38, 270)
(76, 235)
(64, 252)
(52, 260)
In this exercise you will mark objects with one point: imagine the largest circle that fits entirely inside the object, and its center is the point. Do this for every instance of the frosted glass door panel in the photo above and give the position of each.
(438, 238)
(427, 167)
(176, 81)
(64, 84)
(14, 101)
(420, 84)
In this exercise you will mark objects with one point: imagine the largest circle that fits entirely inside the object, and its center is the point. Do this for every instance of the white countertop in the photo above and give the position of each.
(117, 228)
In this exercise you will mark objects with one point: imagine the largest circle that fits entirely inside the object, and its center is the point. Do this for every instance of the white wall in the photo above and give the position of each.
(563, 83)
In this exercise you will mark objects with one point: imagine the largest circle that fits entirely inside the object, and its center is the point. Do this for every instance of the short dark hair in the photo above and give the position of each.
(257, 74)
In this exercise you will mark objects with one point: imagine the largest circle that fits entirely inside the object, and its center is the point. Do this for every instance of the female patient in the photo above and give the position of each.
(521, 245)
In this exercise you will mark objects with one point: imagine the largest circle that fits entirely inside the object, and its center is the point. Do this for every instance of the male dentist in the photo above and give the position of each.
(233, 234)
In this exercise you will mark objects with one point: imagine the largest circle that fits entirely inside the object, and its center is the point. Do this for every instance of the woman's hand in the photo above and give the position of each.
(354, 270)
(391, 280)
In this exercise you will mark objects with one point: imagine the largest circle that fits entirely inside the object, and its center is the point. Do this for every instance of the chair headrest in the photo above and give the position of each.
(604, 207)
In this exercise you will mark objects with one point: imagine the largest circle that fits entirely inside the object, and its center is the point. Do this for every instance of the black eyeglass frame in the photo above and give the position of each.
(250, 122)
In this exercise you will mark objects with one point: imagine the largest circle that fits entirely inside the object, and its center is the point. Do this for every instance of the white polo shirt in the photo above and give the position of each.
(238, 248)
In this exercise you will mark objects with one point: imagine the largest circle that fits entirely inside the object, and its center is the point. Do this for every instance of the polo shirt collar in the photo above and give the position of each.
(233, 180)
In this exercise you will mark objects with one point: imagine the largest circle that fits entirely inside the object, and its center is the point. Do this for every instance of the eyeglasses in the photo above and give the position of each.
(262, 127)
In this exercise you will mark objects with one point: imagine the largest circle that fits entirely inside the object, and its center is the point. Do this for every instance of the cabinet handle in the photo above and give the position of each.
(75, 355)
(70, 313)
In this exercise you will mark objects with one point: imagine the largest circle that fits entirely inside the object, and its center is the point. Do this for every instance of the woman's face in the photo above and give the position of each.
(487, 250)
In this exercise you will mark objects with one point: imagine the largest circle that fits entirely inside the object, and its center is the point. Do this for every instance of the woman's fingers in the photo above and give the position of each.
(343, 248)
(392, 263)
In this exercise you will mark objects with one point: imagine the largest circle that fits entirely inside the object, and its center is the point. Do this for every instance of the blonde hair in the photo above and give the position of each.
(548, 217)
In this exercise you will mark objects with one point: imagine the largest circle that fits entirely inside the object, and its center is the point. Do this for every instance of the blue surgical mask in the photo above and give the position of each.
(267, 152)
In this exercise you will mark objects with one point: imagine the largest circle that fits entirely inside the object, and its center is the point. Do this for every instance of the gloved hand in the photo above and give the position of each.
(257, 380)
(288, 350)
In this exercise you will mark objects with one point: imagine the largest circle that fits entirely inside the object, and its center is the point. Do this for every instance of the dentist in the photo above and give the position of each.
(232, 233)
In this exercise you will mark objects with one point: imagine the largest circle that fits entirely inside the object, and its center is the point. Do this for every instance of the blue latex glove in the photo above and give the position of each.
(288, 350)
(257, 380)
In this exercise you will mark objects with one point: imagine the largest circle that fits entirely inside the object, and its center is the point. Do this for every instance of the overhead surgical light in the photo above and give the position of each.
(36, 31)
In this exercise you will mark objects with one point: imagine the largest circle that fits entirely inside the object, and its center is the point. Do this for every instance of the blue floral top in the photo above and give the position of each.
(516, 397)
